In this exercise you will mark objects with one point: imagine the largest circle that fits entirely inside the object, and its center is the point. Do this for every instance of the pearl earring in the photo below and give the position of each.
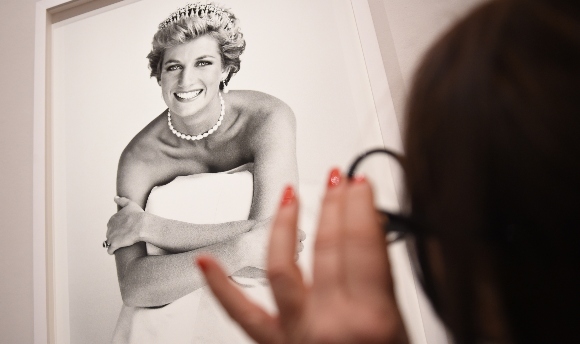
(225, 88)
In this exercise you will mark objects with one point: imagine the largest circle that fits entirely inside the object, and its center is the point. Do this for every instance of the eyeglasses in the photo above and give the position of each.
(399, 226)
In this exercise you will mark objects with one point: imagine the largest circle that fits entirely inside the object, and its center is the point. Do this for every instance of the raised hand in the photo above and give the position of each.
(124, 227)
(351, 298)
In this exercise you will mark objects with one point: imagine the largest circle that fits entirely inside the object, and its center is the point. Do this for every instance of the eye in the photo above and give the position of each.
(203, 63)
(173, 67)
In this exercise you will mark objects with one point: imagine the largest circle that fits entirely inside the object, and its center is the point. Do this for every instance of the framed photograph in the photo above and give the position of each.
(93, 94)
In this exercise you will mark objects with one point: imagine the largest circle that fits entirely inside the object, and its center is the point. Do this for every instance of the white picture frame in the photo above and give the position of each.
(50, 298)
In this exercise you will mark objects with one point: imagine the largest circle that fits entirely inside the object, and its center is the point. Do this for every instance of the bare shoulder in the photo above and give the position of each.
(136, 172)
(262, 110)
(268, 123)
(257, 98)
(144, 146)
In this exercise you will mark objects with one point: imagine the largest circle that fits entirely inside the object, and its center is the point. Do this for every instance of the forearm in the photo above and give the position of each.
(176, 236)
(150, 281)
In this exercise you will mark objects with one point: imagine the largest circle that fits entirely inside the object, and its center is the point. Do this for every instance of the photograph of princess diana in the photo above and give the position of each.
(177, 129)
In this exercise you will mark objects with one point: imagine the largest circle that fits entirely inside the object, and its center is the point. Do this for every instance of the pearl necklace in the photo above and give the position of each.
(202, 135)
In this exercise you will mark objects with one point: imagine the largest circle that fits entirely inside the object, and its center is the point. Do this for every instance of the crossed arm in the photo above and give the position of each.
(147, 281)
(131, 224)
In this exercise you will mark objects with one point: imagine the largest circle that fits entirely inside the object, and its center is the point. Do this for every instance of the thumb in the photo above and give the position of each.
(122, 201)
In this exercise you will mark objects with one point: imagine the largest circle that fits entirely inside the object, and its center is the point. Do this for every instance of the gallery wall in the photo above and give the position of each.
(16, 99)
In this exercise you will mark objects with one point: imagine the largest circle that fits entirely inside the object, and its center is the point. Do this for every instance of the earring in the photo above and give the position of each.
(225, 88)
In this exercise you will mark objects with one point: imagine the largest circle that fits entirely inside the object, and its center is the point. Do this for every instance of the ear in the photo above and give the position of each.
(225, 73)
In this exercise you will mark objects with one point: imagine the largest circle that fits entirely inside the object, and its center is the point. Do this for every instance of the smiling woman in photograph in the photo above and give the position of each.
(203, 177)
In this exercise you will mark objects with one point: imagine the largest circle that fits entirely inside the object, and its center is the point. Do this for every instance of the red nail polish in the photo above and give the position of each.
(288, 196)
(359, 179)
(334, 178)
(202, 265)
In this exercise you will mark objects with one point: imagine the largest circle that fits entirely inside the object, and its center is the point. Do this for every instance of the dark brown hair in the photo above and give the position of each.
(493, 169)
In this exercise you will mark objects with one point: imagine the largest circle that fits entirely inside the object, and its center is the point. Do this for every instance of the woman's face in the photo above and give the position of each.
(190, 75)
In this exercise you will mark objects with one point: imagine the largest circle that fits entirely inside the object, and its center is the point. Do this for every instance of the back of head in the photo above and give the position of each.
(493, 170)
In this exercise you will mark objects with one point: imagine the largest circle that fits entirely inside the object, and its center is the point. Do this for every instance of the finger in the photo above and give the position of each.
(122, 201)
(367, 266)
(113, 246)
(110, 226)
(299, 247)
(259, 325)
(327, 274)
(112, 249)
(301, 235)
(285, 277)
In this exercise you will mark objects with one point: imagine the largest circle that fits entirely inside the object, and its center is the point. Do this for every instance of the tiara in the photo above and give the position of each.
(209, 12)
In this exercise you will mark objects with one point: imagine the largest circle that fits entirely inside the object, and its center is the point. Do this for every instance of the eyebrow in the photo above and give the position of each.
(199, 58)
(206, 56)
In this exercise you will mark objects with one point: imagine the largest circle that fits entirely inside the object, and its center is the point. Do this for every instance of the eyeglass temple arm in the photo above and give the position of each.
(355, 163)
(396, 224)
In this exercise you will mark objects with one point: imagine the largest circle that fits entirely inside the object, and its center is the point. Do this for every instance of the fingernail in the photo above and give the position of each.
(359, 179)
(117, 197)
(334, 178)
(288, 196)
(201, 264)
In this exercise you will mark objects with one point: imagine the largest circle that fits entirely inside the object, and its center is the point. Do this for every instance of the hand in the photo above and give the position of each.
(124, 227)
(299, 245)
(351, 298)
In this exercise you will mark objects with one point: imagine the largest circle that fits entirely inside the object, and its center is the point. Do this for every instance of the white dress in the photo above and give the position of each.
(197, 317)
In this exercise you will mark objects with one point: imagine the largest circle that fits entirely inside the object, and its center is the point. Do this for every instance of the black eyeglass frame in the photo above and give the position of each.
(399, 226)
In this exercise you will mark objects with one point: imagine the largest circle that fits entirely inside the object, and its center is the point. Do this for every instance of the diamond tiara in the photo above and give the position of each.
(209, 12)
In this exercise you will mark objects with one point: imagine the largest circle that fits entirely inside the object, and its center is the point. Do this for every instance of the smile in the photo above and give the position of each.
(187, 95)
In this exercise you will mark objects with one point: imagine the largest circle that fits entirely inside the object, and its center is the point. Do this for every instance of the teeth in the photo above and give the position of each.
(188, 95)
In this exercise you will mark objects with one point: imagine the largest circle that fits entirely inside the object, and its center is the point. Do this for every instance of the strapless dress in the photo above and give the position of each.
(197, 317)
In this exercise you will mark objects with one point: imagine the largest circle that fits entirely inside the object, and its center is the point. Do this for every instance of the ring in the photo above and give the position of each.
(106, 244)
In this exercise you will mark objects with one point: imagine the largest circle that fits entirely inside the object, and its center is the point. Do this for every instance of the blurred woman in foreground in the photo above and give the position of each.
(492, 175)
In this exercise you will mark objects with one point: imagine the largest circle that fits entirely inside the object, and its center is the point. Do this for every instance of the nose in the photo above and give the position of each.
(187, 77)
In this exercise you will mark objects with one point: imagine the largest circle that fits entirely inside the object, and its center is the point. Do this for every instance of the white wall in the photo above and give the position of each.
(406, 29)
(16, 99)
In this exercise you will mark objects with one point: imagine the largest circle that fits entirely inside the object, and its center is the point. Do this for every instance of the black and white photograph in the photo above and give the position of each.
(176, 130)
(193, 120)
